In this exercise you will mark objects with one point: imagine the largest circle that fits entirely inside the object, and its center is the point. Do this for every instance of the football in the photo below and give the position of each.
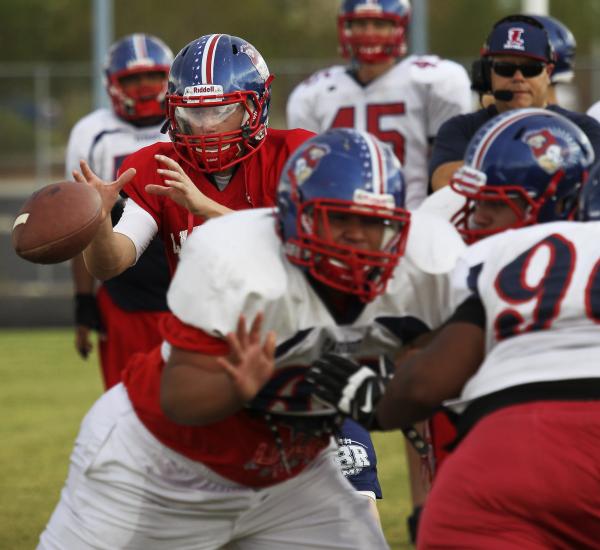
(57, 222)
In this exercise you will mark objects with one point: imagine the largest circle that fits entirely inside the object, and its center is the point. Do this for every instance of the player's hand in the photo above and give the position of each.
(87, 319)
(352, 389)
(83, 342)
(251, 362)
(180, 188)
(109, 191)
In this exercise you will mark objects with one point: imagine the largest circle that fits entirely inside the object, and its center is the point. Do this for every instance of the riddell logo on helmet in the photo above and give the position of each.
(203, 90)
(384, 200)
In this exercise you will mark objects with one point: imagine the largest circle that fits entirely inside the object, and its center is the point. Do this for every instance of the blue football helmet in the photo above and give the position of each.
(339, 175)
(588, 208)
(564, 45)
(218, 101)
(369, 48)
(132, 55)
(532, 160)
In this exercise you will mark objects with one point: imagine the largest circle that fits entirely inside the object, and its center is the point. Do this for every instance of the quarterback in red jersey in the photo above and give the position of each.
(222, 156)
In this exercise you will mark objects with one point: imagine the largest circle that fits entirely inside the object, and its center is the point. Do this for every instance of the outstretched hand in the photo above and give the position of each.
(251, 362)
(180, 188)
(109, 191)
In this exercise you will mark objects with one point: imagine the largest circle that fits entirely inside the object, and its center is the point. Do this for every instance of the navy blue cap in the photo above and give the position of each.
(518, 38)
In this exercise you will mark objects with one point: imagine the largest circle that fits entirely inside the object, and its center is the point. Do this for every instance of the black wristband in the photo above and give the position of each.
(86, 311)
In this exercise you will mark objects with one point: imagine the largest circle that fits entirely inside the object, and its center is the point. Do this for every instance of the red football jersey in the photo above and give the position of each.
(241, 447)
(253, 185)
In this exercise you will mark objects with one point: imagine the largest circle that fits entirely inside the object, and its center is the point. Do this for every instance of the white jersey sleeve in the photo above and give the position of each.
(137, 224)
(104, 140)
(447, 86)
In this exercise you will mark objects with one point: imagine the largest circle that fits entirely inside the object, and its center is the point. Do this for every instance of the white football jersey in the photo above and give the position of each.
(104, 140)
(404, 107)
(540, 287)
(235, 264)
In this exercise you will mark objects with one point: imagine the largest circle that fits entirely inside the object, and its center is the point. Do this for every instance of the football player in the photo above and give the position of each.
(517, 360)
(126, 310)
(222, 156)
(215, 438)
(402, 100)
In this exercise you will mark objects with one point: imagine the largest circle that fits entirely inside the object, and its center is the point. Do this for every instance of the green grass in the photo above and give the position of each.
(45, 390)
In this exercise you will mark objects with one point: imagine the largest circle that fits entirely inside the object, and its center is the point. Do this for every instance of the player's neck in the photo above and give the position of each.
(367, 72)
(343, 307)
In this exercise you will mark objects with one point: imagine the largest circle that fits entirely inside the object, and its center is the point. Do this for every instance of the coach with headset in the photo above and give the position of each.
(516, 64)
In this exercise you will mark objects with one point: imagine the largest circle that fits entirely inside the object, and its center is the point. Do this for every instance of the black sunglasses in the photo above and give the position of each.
(528, 70)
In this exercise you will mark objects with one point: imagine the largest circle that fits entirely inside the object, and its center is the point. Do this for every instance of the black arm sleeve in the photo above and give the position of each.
(470, 311)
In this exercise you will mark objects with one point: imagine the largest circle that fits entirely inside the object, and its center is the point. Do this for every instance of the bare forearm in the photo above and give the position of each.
(431, 376)
(211, 209)
(109, 254)
(83, 282)
(403, 404)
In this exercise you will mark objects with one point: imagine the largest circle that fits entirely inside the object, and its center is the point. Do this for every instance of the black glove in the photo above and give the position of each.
(86, 311)
(352, 389)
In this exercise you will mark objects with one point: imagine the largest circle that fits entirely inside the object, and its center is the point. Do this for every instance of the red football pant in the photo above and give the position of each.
(125, 333)
(526, 477)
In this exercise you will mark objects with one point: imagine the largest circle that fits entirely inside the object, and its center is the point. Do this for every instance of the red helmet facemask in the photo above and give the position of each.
(346, 268)
(468, 183)
(372, 47)
(138, 102)
(192, 123)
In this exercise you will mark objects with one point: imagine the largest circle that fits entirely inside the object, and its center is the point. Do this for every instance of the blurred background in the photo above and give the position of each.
(50, 76)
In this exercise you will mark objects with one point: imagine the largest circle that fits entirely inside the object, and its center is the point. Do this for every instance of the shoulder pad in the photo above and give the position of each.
(229, 265)
(433, 244)
(430, 68)
(323, 74)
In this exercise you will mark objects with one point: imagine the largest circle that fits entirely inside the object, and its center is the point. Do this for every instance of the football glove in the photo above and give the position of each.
(352, 389)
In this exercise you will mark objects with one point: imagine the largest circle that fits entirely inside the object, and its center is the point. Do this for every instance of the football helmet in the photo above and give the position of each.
(134, 54)
(532, 160)
(215, 80)
(340, 174)
(370, 48)
(564, 45)
(588, 208)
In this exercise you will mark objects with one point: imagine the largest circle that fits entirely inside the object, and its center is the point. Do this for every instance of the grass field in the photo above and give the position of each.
(46, 389)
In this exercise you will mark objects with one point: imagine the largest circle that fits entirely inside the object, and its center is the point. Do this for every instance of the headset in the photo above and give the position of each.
(481, 79)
